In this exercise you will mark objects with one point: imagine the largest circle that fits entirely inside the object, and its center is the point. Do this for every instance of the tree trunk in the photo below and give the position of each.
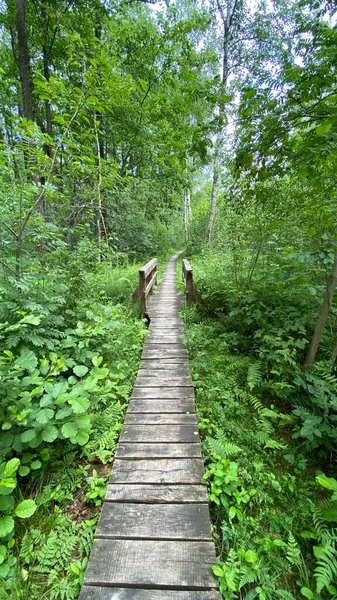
(214, 193)
(24, 61)
(226, 16)
(316, 338)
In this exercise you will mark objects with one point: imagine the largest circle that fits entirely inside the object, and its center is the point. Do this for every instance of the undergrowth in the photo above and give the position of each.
(268, 440)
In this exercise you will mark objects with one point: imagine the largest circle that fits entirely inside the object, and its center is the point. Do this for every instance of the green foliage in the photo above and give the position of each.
(269, 518)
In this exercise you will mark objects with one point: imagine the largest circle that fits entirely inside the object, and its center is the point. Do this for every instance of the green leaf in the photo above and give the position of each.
(251, 556)
(23, 471)
(3, 552)
(217, 571)
(25, 509)
(59, 388)
(80, 405)
(69, 430)
(80, 438)
(4, 570)
(49, 434)
(36, 464)
(11, 467)
(97, 360)
(6, 502)
(28, 436)
(80, 370)
(6, 525)
(44, 415)
(307, 593)
(83, 422)
(328, 483)
(27, 360)
(323, 128)
(330, 514)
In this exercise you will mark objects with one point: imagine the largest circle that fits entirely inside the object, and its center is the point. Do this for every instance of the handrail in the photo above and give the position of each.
(191, 291)
(147, 279)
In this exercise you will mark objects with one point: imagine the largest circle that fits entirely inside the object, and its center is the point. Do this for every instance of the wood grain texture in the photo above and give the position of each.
(163, 392)
(156, 494)
(145, 564)
(158, 450)
(160, 433)
(170, 470)
(160, 419)
(164, 351)
(160, 380)
(105, 593)
(166, 363)
(153, 405)
(178, 371)
(154, 521)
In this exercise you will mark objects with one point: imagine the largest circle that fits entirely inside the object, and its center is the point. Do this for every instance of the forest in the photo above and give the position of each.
(132, 129)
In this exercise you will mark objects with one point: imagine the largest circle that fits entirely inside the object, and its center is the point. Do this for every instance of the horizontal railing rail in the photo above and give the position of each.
(147, 279)
(191, 291)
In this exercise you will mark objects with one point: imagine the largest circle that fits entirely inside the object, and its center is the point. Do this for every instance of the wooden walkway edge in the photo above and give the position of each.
(153, 540)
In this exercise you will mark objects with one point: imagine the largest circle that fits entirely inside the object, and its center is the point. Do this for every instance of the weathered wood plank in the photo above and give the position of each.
(142, 563)
(158, 450)
(160, 433)
(179, 371)
(161, 351)
(160, 419)
(160, 381)
(108, 593)
(156, 494)
(161, 337)
(154, 521)
(153, 405)
(164, 363)
(170, 470)
(163, 392)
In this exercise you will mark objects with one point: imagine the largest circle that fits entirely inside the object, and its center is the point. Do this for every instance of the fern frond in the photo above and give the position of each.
(326, 570)
(220, 447)
(254, 375)
(274, 444)
(292, 551)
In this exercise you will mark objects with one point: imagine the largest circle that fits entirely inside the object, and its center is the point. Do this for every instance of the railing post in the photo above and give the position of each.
(189, 288)
(142, 290)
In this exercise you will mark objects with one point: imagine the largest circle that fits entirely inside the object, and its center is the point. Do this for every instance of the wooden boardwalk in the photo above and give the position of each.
(153, 539)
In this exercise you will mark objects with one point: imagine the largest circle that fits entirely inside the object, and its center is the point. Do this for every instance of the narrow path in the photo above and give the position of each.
(153, 540)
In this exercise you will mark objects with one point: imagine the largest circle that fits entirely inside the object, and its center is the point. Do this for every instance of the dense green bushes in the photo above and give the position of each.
(269, 430)
(67, 371)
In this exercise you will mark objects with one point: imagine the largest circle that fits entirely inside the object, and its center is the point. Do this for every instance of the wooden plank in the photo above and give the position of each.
(108, 593)
(153, 405)
(160, 419)
(179, 371)
(158, 450)
(157, 494)
(142, 563)
(160, 381)
(160, 337)
(163, 392)
(159, 351)
(160, 433)
(169, 470)
(164, 363)
(154, 521)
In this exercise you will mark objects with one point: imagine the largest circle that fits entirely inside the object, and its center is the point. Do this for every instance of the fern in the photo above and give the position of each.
(220, 447)
(274, 444)
(254, 375)
(292, 550)
(247, 575)
(326, 570)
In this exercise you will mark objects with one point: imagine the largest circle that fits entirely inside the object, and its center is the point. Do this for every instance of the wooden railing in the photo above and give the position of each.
(191, 291)
(147, 279)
